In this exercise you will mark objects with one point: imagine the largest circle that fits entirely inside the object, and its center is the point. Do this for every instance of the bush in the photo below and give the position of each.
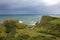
(55, 33)
(22, 37)
(42, 38)
(2, 38)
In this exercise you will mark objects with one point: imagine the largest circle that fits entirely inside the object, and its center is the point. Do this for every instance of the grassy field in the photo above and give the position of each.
(13, 30)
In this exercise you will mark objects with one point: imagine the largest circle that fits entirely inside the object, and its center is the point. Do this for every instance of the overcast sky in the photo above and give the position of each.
(29, 6)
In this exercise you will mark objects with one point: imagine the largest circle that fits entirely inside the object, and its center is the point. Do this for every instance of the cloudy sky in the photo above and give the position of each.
(29, 6)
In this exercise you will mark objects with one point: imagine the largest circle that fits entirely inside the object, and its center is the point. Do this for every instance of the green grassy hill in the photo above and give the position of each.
(49, 25)
(45, 20)
(55, 22)
(47, 29)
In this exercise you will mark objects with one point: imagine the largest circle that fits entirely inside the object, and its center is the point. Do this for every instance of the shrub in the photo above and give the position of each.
(22, 37)
(55, 33)
(43, 38)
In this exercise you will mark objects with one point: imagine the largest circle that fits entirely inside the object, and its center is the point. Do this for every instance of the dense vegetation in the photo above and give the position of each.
(47, 29)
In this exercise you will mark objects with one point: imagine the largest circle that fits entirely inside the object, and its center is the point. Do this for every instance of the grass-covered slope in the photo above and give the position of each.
(49, 25)
(46, 19)
(55, 22)
(13, 30)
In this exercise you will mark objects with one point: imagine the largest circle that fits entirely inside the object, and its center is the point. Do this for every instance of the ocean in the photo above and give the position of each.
(26, 19)
(29, 19)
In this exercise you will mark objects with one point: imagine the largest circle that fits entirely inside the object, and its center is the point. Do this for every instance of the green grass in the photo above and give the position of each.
(55, 22)
(54, 33)
(24, 32)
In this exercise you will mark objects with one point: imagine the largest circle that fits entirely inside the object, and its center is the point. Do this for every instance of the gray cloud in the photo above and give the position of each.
(53, 9)
(27, 7)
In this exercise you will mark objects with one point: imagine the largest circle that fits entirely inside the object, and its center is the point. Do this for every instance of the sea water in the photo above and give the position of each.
(26, 19)
(29, 19)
